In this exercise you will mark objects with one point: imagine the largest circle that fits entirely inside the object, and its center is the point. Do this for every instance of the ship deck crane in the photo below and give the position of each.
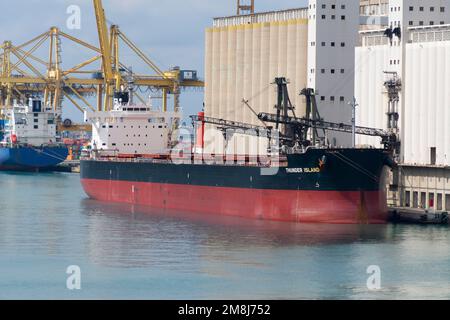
(295, 129)
(298, 127)
(235, 126)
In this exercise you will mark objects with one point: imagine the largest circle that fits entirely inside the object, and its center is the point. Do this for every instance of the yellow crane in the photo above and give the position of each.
(23, 72)
(168, 82)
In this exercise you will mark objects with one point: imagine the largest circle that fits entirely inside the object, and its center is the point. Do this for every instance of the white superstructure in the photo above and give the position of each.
(31, 124)
(131, 129)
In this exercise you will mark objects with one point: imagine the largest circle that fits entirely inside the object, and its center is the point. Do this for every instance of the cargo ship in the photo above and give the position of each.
(29, 138)
(131, 161)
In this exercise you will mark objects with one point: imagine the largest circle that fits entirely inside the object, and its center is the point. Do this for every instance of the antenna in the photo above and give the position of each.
(245, 7)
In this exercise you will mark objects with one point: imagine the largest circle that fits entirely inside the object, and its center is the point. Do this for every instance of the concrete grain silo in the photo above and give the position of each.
(244, 55)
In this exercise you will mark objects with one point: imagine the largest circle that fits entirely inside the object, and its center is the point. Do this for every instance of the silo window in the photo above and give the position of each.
(433, 156)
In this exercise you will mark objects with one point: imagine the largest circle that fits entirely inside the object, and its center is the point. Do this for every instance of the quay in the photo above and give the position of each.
(71, 166)
(418, 216)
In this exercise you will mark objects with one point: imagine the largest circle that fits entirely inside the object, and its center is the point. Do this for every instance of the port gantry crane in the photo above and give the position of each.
(292, 131)
(26, 71)
(169, 82)
(23, 73)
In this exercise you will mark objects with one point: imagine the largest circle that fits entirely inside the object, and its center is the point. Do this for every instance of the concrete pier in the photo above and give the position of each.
(418, 216)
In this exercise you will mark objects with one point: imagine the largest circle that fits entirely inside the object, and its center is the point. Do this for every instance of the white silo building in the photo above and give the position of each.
(414, 50)
(312, 47)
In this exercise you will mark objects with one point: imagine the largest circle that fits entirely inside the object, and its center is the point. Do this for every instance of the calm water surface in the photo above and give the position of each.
(47, 224)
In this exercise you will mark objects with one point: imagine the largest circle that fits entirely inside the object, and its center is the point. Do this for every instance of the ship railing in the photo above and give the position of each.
(27, 145)
(195, 159)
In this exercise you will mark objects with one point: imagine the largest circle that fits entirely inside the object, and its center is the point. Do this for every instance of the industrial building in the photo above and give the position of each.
(243, 56)
(373, 14)
(312, 47)
(402, 80)
(374, 7)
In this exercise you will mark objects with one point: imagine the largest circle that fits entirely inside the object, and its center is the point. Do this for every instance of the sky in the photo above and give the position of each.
(170, 32)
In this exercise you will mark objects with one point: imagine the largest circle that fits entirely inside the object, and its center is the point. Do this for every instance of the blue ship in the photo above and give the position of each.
(2, 128)
(29, 140)
(27, 158)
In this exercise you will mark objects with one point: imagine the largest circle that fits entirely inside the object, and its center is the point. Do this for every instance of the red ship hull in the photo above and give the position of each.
(307, 206)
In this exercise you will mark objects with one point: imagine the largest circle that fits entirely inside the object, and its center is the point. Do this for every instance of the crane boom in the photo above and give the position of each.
(299, 126)
(239, 127)
(296, 128)
(103, 37)
(324, 125)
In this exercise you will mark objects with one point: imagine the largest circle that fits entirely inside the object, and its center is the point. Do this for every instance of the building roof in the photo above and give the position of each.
(261, 17)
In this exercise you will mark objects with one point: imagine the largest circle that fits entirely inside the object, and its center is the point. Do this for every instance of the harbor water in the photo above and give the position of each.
(47, 224)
